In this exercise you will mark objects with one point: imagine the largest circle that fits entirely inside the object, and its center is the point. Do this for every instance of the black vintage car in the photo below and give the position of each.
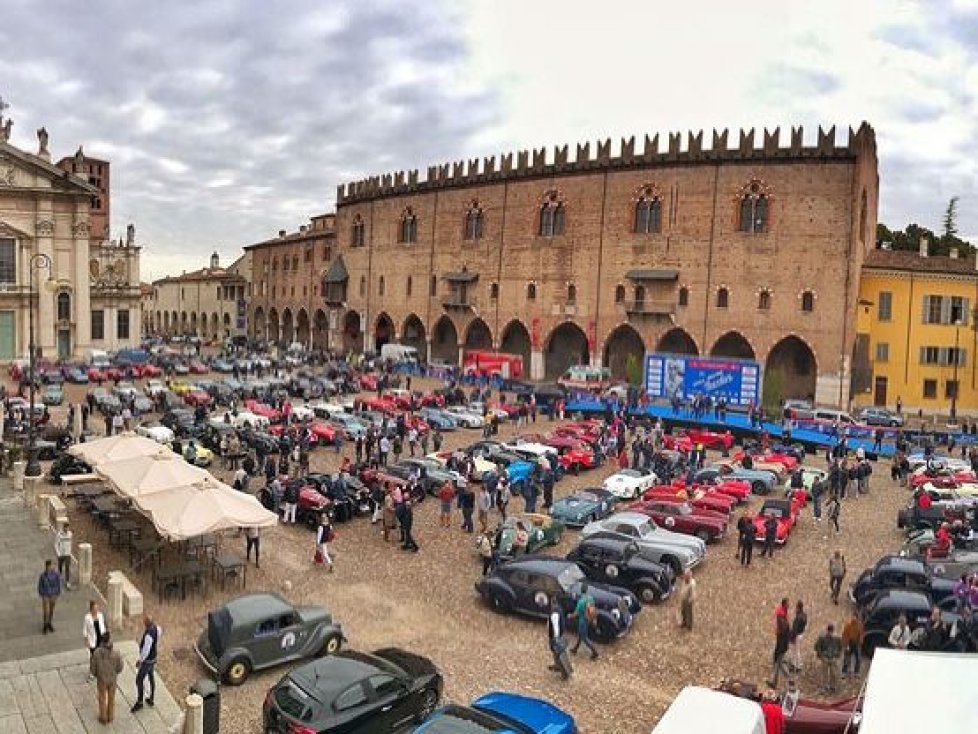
(621, 562)
(258, 631)
(180, 421)
(66, 464)
(528, 584)
(354, 692)
(898, 572)
(881, 615)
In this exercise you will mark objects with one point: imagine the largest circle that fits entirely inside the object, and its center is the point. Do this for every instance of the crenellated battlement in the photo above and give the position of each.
(536, 163)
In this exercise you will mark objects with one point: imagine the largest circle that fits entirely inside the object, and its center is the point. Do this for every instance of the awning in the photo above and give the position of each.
(654, 274)
(461, 277)
(337, 273)
(188, 512)
(119, 447)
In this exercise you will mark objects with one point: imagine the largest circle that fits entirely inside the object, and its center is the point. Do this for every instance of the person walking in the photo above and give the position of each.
(466, 503)
(837, 572)
(49, 589)
(484, 546)
(770, 536)
(833, 509)
(290, 502)
(852, 641)
(93, 627)
(828, 649)
(503, 496)
(782, 637)
(483, 505)
(687, 599)
(798, 625)
(324, 536)
(745, 539)
(446, 494)
(388, 516)
(558, 645)
(407, 524)
(584, 612)
(253, 540)
(146, 663)
(63, 540)
(104, 665)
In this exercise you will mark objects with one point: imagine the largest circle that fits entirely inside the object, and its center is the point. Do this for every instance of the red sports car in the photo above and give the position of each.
(263, 409)
(115, 373)
(198, 368)
(412, 421)
(197, 397)
(722, 503)
(432, 400)
(678, 443)
(149, 371)
(803, 715)
(682, 517)
(381, 405)
(785, 512)
(711, 439)
(736, 488)
(575, 458)
(96, 375)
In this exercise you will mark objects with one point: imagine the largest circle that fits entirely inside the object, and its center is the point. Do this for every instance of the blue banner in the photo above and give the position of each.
(685, 376)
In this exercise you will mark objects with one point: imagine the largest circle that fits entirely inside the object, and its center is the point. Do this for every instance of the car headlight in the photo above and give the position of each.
(616, 613)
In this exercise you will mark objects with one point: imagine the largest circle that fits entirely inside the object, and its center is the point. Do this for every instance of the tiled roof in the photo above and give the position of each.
(911, 261)
(200, 275)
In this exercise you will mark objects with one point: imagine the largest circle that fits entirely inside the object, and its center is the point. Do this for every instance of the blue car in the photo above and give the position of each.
(500, 712)
(439, 419)
(77, 376)
(222, 365)
(583, 506)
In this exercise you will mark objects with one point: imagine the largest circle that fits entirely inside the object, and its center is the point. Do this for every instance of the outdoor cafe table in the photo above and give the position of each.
(202, 545)
(108, 506)
(87, 492)
(122, 531)
(230, 564)
(179, 573)
(145, 548)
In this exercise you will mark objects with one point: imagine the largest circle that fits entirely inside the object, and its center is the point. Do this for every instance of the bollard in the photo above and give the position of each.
(115, 599)
(85, 563)
(194, 723)
(43, 510)
(30, 491)
(76, 429)
(19, 468)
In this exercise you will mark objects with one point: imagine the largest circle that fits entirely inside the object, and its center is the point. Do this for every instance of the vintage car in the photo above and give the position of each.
(274, 415)
(527, 533)
(465, 417)
(349, 425)
(884, 609)
(96, 374)
(383, 691)
(713, 440)
(785, 511)
(622, 563)
(158, 432)
(960, 558)
(804, 715)
(761, 481)
(671, 549)
(500, 712)
(809, 474)
(368, 381)
(433, 475)
(261, 630)
(197, 397)
(198, 368)
(913, 517)
(628, 484)
(898, 572)
(682, 517)
(529, 584)
(222, 366)
(583, 506)
(575, 457)
(738, 489)
(77, 376)
(440, 419)
(181, 387)
(53, 395)
(245, 419)
(705, 499)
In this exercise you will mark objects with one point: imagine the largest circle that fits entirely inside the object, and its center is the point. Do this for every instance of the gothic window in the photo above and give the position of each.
(552, 215)
(473, 222)
(64, 307)
(531, 292)
(754, 205)
(808, 301)
(571, 293)
(410, 285)
(764, 300)
(620, 294)
(648, 212)
(723, 298)
(494, 291)
(409, 226)
(639, 295)
(356, 232)
(380, 286)
(684, 296)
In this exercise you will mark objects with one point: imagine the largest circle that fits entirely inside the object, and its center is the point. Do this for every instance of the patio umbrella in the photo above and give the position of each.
(142, 475)
(120, 447)
(187, 512)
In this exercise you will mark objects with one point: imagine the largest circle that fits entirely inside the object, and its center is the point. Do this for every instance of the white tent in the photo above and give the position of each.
(186, 512)
(910, 692)
(142, 475)
(116, 448)
(698, 709)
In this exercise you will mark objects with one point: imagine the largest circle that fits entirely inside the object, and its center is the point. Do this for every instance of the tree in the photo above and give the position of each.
(951, 220)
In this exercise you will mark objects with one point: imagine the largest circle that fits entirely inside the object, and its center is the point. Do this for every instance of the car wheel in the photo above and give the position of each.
(331, 645)
(237, 672)
(647, 593)
(703, 535)
(759, 488)
(499, 603)
(429, 699)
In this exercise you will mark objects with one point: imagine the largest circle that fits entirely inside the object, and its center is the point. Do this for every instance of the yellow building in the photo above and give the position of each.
(916, 329)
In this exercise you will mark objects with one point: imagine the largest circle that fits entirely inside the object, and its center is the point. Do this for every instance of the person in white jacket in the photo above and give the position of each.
(900, 635)
(93, 629)
(62, 548)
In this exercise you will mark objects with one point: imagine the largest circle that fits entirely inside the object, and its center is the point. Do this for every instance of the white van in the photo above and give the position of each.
(398, 353)
(99, 358)
(830, 415)
(698, 709)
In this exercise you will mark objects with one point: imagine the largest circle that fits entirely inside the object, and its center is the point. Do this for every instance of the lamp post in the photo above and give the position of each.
(38, 261)
(954, 395)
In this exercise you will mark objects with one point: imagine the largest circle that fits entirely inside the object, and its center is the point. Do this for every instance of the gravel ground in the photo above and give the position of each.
(425, 602)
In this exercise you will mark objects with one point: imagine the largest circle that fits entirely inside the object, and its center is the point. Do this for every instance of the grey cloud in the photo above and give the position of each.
(285, 100)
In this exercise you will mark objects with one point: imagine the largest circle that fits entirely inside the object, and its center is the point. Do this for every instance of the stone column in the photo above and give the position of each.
(194, 723)
(30, 491)
(19, 468)
(537, 370)
(85, 563)
(115, 599)
(44, 316)
(76, 429)
(460, 348)
(42, 509)
(109, 321)
(81, 297)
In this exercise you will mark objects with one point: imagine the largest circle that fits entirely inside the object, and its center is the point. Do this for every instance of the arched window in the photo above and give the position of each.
(808, 301)
(754, 201)
(473, 222)
(410, 285)
(380, 286)
(433, 286)
(552, 215)
(684, 296)
(764, 300)
(531, 291)
(409, 226)
(723, 297)
(639, 295)
(619, 294)
(64, 307)
(363, 286)
(571, 293)
(356, 232)
(494, 291)
(648, 212)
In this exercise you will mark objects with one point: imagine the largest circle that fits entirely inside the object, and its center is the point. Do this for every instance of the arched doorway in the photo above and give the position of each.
(320, 330)
(444, 342)
(383, 331)
(478, 336)
(413, 335)
(176, 324)
(566, 347)
(677, 341)
(258, 325)
(288, 327)
(790, 371)
(193, 323)
(733, 344)
(302, 327)
(215, 325)
(352, 336)
(166, 322)
(624, 354)
(227, 325)
(274, 332)
(516, 340)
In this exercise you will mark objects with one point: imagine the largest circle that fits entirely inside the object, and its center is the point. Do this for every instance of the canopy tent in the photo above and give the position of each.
(698, 709)
(143, 475)
(116, 448)
(910, 692)
(186, 512)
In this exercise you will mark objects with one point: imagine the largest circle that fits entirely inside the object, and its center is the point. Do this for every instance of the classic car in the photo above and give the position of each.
(628, 484)
(500, 712)
(382, 691)
(53, 395)
(258, 631)
(96, 374)
(147, 371)
(898, 572)
(197, 397)
(158, 432)
(349, 498)
(368, 381)
(323, 432)
(713, 440)
(623, 563)
(761, 481)
(77, 376)
(433, 475)
(583, 506)
(804, 715)
(180, 387)
(222, 365)
(738, 489)
(198, 368)
(264, 410)
(527, 585)
(465, 417)
(245, 419)
(181, 422)
(575, 457)
(527, 533)
(705, 499)
(348, 424)
(884, 609)
(202, 455)
(808, 476)
(784, 511)
(439, 419)
(675, 550)
(518, 470)
(682, 517)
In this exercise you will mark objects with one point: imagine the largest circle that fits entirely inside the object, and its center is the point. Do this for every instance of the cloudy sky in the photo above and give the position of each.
(227, 120)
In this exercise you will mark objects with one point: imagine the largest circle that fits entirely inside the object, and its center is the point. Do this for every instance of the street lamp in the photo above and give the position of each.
(38, 261)
(954, 395)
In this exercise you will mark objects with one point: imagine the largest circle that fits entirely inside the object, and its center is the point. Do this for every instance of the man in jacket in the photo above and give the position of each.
(798, 626)
(770, 536)
(558, 645)
(828, 648)
(837, 572)
(582, 616)
(146, 664)
(49, 589)
(782, 636)
(290, 501)
(745, 539)
(852, 640)
(105, 665)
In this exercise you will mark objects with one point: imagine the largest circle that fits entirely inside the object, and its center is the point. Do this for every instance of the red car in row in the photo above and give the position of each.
(322, 432)
(683, 517)
(784, 511)
(701, 498)
(265, 410)
(572, 453)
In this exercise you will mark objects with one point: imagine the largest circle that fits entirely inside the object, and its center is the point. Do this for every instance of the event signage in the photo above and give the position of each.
(685, 376)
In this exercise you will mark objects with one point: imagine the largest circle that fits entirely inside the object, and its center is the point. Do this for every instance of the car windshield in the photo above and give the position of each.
(587, 497)
(646, 529)
(569, 577)
(629, 473)
(294, 701)
(684, 510)
(458, 720)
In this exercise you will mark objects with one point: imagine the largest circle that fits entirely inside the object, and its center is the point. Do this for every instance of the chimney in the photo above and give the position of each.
(924, 246)
(953, 253)
(281, 233)
(302, 228)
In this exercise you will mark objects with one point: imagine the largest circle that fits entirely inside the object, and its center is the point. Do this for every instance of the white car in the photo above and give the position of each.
(322, 409)
(154, 388)
(529, 447)
(672, 549)
(160, 434)
(303, 412)
(245, 418)
(125, 388)
(466, 417)
(630, 484)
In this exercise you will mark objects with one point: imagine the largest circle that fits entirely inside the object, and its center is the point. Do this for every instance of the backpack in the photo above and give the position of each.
(590, 611)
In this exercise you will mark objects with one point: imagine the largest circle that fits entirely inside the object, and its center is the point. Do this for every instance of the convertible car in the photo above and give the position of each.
(629, 484)
(711, 439)
(784, 511)
(761, 481)
(527, 533)
(804, 715)
(701, 497)
(682, 517)
(583, 506)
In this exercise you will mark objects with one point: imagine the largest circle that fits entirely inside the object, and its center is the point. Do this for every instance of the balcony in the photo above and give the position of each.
(650, 309)
(456, 304)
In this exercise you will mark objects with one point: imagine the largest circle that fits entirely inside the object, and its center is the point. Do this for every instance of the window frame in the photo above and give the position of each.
(884, 306)
(8, 272)
(929, 389)
(683, 296)
(63, 297)
(764, 300)
(807, 301)
(98, 319)
(882, 352)
(723, 297)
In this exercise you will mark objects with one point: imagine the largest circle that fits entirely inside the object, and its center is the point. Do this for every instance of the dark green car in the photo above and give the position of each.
(527, 533)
